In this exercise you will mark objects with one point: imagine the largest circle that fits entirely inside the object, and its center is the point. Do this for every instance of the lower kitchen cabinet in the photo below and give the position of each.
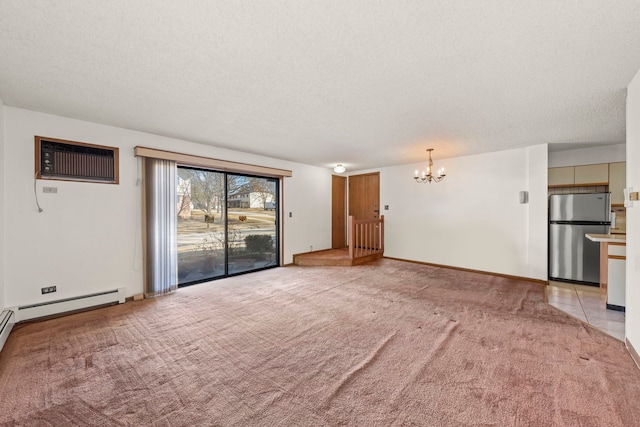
(616, 276)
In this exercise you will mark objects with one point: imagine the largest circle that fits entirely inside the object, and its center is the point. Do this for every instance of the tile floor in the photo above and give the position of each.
(585, 303)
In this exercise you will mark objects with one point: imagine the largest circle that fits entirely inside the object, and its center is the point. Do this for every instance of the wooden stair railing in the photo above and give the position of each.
(366, 237)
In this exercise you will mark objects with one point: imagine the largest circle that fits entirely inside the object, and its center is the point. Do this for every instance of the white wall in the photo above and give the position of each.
(588, 156)
(537, 176)
(472, 219)
(88, 237)
(632, 319)
(2, 226)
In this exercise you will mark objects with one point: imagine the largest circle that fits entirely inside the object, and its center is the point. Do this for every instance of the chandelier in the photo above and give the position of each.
(427, 176)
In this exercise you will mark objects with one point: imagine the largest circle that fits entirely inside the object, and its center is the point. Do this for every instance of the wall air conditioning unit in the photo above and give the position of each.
(75, 161)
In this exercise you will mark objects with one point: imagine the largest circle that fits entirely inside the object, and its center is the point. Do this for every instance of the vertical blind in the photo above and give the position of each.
(161, 269)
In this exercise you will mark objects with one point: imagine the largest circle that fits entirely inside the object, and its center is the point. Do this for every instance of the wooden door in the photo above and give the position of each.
(338, 212)
(364, 196)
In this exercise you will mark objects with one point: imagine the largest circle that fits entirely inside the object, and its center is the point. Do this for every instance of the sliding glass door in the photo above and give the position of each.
(227, 224)
(251, 223)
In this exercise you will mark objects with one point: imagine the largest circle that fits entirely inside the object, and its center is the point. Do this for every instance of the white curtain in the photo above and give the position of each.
(161, 269)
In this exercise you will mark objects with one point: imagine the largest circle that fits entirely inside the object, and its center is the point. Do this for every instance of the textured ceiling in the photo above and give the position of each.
(365, 83)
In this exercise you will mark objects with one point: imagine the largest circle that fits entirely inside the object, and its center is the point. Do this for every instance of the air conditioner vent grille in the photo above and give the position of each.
(78, 161)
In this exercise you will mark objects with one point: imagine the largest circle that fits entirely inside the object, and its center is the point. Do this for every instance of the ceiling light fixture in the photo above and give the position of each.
(339, 168)
(427, 176)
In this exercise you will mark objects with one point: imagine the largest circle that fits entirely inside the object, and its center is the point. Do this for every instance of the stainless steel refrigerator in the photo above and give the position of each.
(573, 257)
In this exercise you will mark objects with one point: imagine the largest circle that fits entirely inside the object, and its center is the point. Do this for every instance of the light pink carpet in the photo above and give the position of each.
(385, 344)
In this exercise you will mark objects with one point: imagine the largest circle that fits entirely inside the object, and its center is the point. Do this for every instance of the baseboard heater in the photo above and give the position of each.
(34, 311)
(7, 319)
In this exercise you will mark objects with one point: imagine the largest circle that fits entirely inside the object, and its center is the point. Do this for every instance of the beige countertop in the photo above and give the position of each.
(609, 238)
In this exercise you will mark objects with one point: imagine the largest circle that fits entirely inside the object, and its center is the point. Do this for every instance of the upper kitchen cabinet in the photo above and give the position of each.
(579, 175)
(592, 174)
(617, 182)
(612, 174)
(561, 176)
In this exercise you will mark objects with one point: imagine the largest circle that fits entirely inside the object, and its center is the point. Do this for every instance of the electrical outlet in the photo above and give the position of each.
(48, 289)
